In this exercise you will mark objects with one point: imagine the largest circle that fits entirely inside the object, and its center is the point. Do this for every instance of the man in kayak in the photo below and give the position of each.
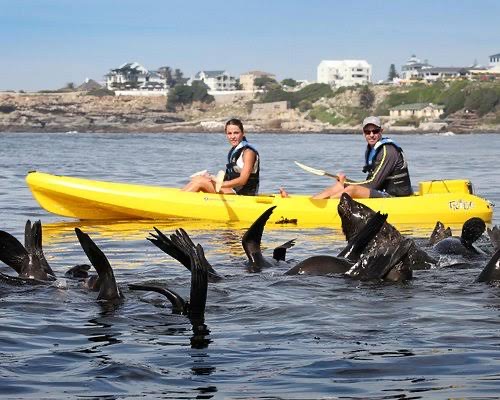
(242, 170)
(385, 164)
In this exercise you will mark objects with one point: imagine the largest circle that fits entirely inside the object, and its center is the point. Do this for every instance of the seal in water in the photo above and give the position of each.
(175, 246)
(323, 265)
(251, 242)
(29, 260)
(385, 263)
(354, 216)
(491, 273)
(472, 230)
(494, 234)
(105, 283)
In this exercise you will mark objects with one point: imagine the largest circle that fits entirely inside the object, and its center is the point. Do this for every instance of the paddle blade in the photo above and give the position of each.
(218, 180)
(310, 169)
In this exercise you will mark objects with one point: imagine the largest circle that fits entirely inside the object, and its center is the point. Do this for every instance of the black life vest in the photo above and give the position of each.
(398, 183)
(251, 188)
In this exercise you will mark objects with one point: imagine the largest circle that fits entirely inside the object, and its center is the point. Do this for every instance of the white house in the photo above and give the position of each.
(443, 73)
(134, 77)
(426, 111)
(413, 67)
(344, 72)
(216, 80)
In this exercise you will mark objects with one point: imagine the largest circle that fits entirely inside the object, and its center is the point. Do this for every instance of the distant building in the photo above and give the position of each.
(273, 109)
(216, 80)
(424, 111)
(339, 73)
(443, 73)
(133, 76)
(247, 79)
(413, 67)
(495, 62)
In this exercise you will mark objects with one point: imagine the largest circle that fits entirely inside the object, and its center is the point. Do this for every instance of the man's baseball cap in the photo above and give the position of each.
(372, 120)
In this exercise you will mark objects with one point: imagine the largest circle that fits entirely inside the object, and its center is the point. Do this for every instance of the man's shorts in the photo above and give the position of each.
(377, 194)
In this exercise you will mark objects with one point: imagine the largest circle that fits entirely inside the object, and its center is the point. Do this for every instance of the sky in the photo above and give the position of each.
(48, 43)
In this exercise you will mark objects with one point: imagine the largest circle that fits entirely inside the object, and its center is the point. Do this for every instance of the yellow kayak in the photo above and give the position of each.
(449, 201)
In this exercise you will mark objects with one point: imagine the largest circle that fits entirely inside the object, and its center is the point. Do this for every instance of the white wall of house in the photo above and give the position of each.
(495, 63)
(221, 81)
(429, 112)
(344, 72)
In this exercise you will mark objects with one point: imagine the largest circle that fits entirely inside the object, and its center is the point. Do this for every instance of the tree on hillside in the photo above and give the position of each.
(289, 82)
(172, 78)
(238, 85)
(392, 73)
(183, 95)
(266, 83)
(179, 77)
(166, 73)
(366, 97)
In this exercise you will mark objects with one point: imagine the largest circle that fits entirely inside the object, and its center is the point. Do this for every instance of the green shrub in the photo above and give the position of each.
(321, 113)
(181, 95)
(100, 92)
(311, 93)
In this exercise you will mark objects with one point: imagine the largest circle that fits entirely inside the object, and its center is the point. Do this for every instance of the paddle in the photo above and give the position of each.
(316, 171)
(219, 178)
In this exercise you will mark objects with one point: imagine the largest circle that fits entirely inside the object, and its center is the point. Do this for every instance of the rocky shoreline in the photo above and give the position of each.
(79, 112)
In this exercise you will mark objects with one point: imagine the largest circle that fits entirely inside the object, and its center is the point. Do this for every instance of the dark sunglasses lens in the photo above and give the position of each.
(374, 131)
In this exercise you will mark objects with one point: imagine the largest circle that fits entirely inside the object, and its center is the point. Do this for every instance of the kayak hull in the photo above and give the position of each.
(87, 199)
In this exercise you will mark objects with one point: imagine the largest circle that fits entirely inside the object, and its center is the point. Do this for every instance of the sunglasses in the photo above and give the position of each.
(375, 131)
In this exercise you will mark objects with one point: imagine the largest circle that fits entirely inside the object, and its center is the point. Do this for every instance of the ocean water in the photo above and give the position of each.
(271, 336)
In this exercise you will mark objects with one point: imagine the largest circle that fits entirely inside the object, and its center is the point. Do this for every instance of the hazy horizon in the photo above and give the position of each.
(49, 43)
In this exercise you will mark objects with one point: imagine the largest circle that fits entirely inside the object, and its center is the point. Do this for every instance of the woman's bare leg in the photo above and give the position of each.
(200, 184)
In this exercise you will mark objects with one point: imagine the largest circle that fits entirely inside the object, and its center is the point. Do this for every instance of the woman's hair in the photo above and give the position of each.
(234, 121)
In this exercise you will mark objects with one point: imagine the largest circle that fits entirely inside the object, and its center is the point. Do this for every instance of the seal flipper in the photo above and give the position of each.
(178, 246)
(358, 243)
(439, 233)
(36, 234)
(13, 253)
(199, 286)
(20, 281)
(494, 234)
(195, 307)
(471, 231)
(253, 236)
(109, 290)
(492, 270)
(178, 303)
(279, 253)
(166, 245)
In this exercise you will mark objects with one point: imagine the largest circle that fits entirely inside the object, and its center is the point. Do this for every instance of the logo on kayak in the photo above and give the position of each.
(457, 205)
(224, 200)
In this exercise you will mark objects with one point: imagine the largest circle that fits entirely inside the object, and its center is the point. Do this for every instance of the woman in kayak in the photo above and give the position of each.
(242, 168)
(385, 164)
